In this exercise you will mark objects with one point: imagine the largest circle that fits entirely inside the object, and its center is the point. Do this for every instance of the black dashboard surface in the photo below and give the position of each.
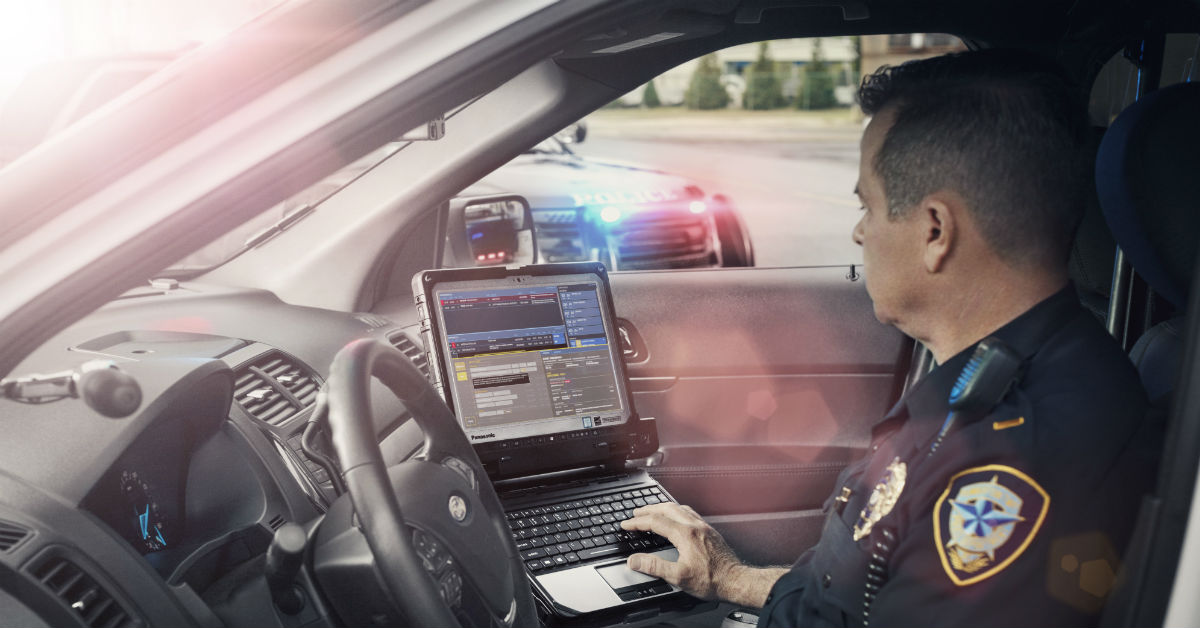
(136, 520)
(228, 379)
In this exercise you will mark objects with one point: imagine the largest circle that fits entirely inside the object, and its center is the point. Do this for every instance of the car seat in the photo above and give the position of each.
(1093, 250)
(1146, 177)
(1149, 191)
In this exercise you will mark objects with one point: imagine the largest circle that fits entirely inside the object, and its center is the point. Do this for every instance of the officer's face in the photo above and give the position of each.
(891, 251)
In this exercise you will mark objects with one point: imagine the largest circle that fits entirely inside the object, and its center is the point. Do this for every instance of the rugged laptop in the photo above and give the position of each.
(528, 360)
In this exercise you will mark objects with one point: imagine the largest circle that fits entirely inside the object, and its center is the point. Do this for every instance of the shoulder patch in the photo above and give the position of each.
(985, 518)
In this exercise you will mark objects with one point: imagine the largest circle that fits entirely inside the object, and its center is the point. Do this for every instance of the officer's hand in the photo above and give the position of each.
(705, 560)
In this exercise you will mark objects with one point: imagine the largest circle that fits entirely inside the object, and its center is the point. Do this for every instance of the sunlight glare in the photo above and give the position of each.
(31, 32)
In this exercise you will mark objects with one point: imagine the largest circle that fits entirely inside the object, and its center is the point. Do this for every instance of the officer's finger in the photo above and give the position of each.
(670, 510)
(655, 566)
(657, 523)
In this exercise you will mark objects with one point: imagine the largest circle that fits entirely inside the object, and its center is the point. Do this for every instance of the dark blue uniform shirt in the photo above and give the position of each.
(1020, 516)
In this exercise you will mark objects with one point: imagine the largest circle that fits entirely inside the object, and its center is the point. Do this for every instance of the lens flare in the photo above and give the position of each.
(31, 33)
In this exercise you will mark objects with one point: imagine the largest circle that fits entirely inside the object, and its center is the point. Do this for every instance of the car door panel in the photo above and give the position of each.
(764, 384)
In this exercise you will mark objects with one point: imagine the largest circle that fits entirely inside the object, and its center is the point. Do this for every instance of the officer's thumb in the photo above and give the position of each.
(656, 566)
(644, 563)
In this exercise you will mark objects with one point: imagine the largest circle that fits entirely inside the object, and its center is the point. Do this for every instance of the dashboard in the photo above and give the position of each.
(228, 379)
(157, 519)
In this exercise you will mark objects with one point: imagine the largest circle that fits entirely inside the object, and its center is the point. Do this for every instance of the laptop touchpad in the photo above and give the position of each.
(619, 576)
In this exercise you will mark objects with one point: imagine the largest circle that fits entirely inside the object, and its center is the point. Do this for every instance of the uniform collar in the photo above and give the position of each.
(929, 398)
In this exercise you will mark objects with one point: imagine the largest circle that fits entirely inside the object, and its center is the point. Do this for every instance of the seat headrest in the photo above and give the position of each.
(1148, 181)
(1091, 262)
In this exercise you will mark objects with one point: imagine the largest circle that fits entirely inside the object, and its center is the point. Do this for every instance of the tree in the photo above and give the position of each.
(817, 90)
(650, 96)
(705, 90)
(763, 88)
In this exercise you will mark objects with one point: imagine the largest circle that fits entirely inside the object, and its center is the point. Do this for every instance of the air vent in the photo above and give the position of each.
(275, 387)
(81, 593)
(276, 522)
(11, 535)
(295, 378)
(410, 349)
(262, 400)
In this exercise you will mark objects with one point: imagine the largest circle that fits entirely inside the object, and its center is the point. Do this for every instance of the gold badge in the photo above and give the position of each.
(882, 499)
(985, 519)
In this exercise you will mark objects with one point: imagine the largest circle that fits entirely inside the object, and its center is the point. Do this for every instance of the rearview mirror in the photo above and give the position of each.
(489, 231)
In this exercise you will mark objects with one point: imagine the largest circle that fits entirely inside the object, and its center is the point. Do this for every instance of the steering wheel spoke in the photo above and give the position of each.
(435, 527)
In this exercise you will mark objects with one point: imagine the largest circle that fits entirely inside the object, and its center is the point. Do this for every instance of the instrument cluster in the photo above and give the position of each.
(147, 522)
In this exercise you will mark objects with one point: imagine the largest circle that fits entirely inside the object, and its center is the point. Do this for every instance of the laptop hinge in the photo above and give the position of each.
(615, 465)
(614, 470)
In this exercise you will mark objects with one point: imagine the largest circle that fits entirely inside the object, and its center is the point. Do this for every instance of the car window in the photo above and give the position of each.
(757, 143)
(277, 218)
(1116, 85)
(1179, 58)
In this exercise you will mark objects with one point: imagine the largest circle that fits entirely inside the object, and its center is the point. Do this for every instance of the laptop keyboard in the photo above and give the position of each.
(563, 535)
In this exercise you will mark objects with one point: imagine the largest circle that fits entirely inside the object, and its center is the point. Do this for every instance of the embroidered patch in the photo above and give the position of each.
(985, 518)
(882, 499)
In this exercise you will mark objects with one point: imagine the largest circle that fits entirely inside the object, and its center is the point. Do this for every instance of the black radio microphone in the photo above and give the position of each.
(982, 383)
(102, 386)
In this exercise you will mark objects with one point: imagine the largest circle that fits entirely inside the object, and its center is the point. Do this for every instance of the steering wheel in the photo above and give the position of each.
(434, 524)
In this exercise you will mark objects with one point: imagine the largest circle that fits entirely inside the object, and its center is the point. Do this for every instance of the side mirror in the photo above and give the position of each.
(489, 231)
(573, 134)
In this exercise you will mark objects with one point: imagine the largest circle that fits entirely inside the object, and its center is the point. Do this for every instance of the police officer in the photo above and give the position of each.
(972, 180)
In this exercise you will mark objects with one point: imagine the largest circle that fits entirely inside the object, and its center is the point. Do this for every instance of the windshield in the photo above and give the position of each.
(549, 146)
(48, 34)
(278, 218)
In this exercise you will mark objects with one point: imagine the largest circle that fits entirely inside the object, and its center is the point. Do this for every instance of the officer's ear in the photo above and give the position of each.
(942, 217)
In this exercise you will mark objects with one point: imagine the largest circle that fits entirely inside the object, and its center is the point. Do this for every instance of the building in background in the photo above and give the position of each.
(791, 55)
(881, 50)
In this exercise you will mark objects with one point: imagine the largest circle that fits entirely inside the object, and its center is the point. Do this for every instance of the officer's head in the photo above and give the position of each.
(968, 156)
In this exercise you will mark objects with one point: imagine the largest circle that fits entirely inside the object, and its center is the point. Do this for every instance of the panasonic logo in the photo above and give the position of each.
(482, 436)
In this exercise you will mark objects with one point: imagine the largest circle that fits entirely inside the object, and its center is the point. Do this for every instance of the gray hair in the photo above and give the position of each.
(1004, 129)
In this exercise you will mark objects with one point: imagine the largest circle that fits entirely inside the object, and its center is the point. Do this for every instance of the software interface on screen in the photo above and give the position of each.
(529, 360)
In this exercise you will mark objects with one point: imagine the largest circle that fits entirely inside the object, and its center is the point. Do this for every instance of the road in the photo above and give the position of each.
(796, 195)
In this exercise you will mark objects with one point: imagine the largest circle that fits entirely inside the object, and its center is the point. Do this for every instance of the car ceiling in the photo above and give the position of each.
(1079, 32)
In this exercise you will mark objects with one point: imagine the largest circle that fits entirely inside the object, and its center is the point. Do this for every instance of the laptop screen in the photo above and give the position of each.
(531, 359)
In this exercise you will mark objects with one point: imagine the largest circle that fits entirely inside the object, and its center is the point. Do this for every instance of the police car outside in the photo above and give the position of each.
(627, 216)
